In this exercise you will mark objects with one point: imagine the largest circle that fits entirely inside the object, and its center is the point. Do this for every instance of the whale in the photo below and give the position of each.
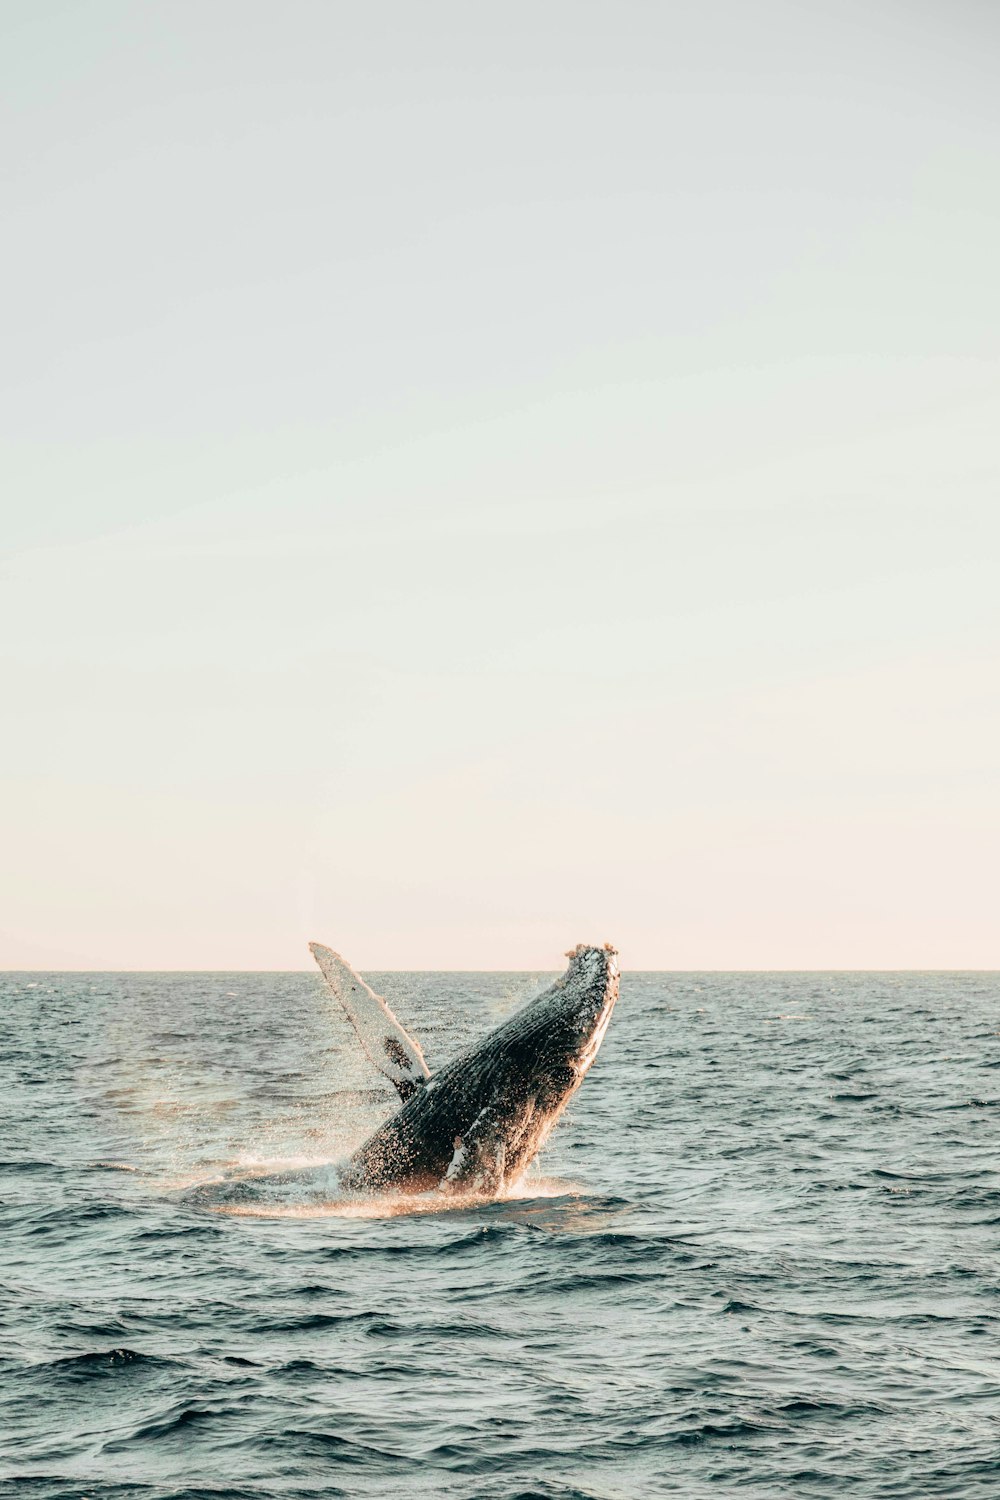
(476, 1125)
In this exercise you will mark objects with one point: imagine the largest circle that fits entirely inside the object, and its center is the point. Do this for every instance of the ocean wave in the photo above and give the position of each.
(118, 1361)
(726, 1280)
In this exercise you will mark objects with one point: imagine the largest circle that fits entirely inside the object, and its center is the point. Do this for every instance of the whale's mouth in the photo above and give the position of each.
(592, 1045)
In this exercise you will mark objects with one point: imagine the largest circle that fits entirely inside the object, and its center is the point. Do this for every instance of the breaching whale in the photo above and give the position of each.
(477, 1124)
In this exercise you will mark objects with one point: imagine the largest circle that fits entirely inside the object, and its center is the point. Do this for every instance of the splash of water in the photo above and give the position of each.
(391, 1206)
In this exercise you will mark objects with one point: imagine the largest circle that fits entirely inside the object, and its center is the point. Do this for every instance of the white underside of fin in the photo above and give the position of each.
(477, 1165)
(457, 1163)
(389, 1045)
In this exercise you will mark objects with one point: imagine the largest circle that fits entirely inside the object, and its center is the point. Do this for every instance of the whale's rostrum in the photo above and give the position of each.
(475, 1126)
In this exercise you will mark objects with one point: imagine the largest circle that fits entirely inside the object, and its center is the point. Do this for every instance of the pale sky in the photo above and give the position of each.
(480, 478)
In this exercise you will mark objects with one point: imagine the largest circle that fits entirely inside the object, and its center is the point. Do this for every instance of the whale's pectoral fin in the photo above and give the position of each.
(479, 1163)
(387, 1043)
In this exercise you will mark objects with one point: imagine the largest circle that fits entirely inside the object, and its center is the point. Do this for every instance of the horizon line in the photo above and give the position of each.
(376, 969)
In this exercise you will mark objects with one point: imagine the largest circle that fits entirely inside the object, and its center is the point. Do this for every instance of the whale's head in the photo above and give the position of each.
(552, 1043)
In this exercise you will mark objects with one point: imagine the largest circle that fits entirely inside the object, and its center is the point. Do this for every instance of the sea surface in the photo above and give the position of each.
(760, 1255)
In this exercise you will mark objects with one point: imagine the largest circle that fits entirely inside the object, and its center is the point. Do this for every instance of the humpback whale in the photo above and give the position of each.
(475, 1126)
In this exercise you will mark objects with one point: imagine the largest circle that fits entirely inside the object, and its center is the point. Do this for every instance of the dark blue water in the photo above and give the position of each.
(760, 1254)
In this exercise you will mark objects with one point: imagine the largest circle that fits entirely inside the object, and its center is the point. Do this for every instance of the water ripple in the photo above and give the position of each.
(759, 1255)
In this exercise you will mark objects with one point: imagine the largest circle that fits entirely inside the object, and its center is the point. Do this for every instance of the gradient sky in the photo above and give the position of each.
(477, 478)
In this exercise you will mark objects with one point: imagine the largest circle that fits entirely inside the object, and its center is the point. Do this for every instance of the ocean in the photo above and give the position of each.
(760, 1254)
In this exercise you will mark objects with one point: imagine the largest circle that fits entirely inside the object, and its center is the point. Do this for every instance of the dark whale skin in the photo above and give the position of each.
(477, 1124)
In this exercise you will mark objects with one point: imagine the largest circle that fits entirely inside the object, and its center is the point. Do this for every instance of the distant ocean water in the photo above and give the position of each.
(759, 1256)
